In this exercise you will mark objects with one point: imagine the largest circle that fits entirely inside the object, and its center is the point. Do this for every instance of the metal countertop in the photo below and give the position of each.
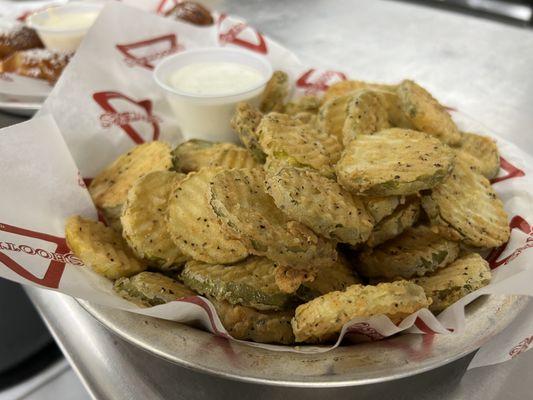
(480, 67)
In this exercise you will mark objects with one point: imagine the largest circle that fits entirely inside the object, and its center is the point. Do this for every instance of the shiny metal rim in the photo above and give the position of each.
(21, 108)
(361, 364)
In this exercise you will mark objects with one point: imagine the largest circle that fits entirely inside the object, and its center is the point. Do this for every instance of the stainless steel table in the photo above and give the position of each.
(480, 67)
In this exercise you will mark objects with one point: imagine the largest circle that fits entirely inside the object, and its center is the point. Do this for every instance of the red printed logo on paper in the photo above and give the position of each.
(517, 222)
(521, 347)
(418, 349)
(240, 34)
(315, 80)
(512, 171)
(364, 329)
(52, 250)
(135, 118)
(144, 53)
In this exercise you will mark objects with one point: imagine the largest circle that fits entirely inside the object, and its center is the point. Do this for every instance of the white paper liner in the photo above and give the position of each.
(106, 102)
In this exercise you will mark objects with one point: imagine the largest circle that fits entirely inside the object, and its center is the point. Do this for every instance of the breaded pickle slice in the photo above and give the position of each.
(193, 226)
(346, 87)
(306, 118)
(465, 207)
(366, 113)
(416, 252)
(308, 104)
(110, 187)
(184, 154)
(426, 114)
(468, 159)
(190, 157)
(322, 318)
(485, 150)
(246, 323)
(395, 112)
(394, 162)
(391, 226)
(321, 204)
(245, 122)
(288, 279)
(250, 282)
(144, 224)
(101, 248)
(275, 93)
(337, 276)
(447, 285)
(148, 289)
(380, 207)
(295, 143)
(332, 116)
(239, 198)
(112, 217)
(370, 111)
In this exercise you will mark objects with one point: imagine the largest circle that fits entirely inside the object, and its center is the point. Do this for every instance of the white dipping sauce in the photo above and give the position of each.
(215, 78)
(69, 21)
(63, 28)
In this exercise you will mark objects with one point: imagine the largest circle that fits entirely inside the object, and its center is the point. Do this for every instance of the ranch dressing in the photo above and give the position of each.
(215, 78)
(62, 28)
(69, 21)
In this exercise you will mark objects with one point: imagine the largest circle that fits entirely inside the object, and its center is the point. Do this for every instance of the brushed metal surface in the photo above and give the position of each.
(360, 364)
(112, 368)
(26, 109)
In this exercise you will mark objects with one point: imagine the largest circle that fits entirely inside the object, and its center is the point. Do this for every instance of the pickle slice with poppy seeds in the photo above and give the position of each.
(245, 122)
(275, 93)
(394, 162)
(337, 276)
(193, 226)
(144, 224)
(110, 187)
(366, 114)
(426, 114)
(295, 143)
(465, 207)
(250, 282)
(415, 252)
(391, 226)
(101, 248)
(246, 323)
(332, 116)
(346, 87)
(381, 207)
(322, 318)
(485, 150)
(449, 284)
(196, 154)
(305, 104)
(321, 204)
(240, 200)
(148, 289)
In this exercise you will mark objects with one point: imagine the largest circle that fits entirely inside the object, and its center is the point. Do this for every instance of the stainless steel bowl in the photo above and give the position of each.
(360, 364)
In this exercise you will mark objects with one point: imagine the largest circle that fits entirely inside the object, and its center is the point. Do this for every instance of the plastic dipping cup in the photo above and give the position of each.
(62, 28)
(207, 115)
